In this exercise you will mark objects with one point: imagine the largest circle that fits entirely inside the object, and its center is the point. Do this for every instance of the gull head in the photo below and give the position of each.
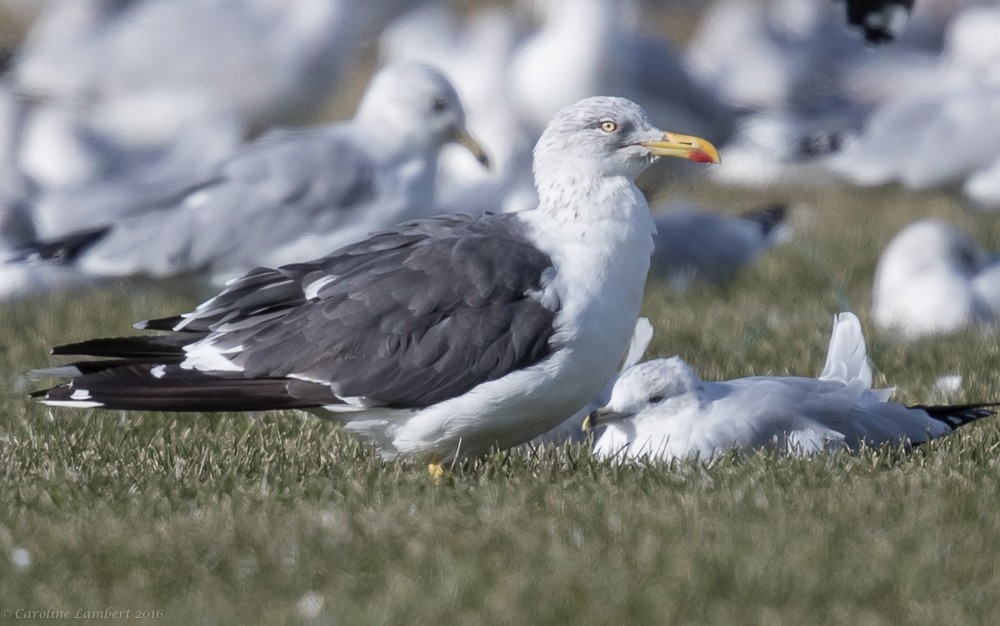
(605, 137)
(648, 386)
(418, 105)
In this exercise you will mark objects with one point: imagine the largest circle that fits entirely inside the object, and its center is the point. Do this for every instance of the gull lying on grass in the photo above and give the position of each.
(691, 244)
(293, 193)
(933, 278)
(444, 337)
(660, 409)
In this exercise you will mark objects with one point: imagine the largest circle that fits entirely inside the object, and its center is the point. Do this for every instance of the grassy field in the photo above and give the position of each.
(276, 518)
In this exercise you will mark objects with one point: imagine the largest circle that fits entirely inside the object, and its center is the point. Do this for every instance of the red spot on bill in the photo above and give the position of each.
(701, 157)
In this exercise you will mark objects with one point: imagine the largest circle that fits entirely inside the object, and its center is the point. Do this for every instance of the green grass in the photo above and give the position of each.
(276, 518)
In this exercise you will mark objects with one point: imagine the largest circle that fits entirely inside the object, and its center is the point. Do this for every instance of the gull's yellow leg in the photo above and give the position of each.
(434, 467)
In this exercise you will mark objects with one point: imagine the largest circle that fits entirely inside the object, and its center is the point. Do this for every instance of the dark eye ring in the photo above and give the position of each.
(608, 126)
(656, 400)
(440, 104)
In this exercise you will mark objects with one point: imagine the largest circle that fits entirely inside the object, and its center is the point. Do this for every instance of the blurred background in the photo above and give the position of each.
(122, 118)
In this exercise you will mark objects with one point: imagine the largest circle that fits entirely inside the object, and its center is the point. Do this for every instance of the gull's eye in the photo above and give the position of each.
(656, 400)
(440, 104)
(608, 126)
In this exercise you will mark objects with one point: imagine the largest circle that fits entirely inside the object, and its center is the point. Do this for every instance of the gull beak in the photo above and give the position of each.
(600, 416)
(685, 146)
(462, 137)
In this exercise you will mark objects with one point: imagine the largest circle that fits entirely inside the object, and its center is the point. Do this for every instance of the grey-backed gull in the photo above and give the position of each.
(292, 193)
(443, 337)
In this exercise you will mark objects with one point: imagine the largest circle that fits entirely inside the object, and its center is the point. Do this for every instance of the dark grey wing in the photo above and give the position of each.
(407, 318)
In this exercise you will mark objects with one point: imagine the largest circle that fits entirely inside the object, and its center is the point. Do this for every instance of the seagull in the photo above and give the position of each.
(662, 410)
(691, 244)
(935, 127)
(572, 430)
(588, 47)
(292, 192)
(932, 278)
(111, 80)
(441, 338)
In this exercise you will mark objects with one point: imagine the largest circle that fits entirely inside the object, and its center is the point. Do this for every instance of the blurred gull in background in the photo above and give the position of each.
(939, 127)
(933, 278)
(695, 245)
(802, 80)
(111, 86)
(474, 53)
(662, 410)
(593, 47)
(295, 194)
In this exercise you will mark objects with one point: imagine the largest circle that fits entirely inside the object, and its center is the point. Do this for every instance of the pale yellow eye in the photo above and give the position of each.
(608, 126)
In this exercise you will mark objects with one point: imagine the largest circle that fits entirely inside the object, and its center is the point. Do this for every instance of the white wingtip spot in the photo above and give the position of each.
(75, 404)
(80, 394)
(312, 290)
(159, 371)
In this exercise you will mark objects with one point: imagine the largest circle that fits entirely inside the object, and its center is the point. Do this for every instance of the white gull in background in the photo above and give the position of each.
(662, 410)
(592, 47)
(293, 193)
(474, 53)
(802, 80)
(938, 126)
(933, 278)
(693, 245)
(111, 85)
(444, 337)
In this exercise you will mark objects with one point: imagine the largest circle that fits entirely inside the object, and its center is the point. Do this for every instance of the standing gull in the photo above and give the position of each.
(661, 409)
(444, 337)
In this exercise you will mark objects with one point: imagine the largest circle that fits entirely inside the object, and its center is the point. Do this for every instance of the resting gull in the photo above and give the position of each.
(444, 337)
(293, 192)
(661, 409)
(933, 278)
(692, 245)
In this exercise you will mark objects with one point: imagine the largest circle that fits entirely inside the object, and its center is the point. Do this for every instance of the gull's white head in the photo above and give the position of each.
(609, 137)
(418, 105)
(648, 386)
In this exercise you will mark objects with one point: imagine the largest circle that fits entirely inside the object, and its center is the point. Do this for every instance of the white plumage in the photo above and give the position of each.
(933, 278)
(661, 409)
(447, 336)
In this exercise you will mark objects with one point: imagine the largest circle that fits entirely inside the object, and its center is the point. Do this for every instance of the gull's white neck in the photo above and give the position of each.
(598, 233)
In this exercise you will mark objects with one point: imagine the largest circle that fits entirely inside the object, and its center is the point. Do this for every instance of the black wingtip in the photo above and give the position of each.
(162, 323)
(169, 348)
(65, 250)
(769, 218)
(958, 415)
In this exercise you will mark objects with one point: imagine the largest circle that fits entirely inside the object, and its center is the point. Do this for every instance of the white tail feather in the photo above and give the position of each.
(641, 337)
(847, 357)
